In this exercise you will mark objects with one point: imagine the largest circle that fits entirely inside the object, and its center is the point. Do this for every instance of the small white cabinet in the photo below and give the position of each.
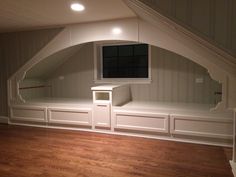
(104, 97)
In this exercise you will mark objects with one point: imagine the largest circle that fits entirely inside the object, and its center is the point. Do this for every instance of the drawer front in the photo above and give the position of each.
(142, 121)
(70, 116)
(205, 127)
(102, 115)
(28, 113)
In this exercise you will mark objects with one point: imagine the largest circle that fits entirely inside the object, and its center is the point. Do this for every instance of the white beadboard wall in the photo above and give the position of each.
(74, 78)
(214, 20)
(32, 93)
(173, 78)
(15, 49)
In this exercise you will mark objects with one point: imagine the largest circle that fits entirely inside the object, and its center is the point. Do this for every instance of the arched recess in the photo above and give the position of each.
(131, 30)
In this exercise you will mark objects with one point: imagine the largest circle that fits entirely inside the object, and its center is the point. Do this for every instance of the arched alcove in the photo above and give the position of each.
(132, 30)
(186, 83)
(69, 74)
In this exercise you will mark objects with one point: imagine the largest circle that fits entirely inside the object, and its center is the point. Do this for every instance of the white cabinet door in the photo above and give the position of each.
(101, 115)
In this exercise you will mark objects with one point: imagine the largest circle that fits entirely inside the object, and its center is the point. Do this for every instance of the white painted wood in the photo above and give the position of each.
(121, 95)
(180, 72)
(98, 31)
(64, 102)
(114, 94)
(190, 120)
(28, 113)
(102, 114)
(74, 116)
(77, 70)
(141, 121)
(201, 126)
(217, 25)
(30, 93)
(165, 40)
(104, 97)
(108, 87)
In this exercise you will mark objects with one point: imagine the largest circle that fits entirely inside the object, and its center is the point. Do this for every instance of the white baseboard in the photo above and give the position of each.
(233, 166)
(3, 120)
(125, 134)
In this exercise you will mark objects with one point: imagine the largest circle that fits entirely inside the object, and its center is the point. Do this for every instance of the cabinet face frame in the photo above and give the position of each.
(102, 115)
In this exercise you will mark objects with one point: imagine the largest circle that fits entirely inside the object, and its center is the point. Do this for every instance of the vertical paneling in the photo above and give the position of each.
(16, 49)
(221, 10)
(77, 74)
(173, 78)
(214, 20)
(201, 16)
(165, 5)
(234, 27)
(181, 10)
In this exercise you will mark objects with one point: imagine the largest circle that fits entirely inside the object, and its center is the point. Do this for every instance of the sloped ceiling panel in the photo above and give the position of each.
(214, 20)
(44, 68)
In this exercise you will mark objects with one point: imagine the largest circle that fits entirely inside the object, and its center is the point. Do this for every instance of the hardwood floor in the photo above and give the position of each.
(36, 152)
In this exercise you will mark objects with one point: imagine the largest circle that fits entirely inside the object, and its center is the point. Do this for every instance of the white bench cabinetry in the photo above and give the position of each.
(28, 113)
(104, 97)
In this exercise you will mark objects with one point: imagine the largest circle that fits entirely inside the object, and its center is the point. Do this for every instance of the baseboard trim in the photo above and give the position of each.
(3, 120)
(233, 166)
(126, 134)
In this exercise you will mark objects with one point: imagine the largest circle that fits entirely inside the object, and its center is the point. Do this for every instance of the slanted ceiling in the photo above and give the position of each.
(213, 20)
(44, 68)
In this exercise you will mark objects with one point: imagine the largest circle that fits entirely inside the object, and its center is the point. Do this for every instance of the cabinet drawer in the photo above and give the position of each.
(102, 115)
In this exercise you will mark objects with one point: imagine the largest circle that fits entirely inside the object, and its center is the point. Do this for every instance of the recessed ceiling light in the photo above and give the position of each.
(116, 30)
(77, 7)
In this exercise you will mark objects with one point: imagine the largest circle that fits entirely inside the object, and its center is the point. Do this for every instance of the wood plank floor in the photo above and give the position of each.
(38, 152)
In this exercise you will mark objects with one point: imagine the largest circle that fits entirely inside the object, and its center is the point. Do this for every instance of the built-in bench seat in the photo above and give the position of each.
(54, 111)
(174, 119)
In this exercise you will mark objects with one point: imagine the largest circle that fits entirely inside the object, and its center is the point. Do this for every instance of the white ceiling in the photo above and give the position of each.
(18, 15)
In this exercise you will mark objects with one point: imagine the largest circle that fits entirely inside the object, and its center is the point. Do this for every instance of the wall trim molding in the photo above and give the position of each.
(4, 119)
(176, 139)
